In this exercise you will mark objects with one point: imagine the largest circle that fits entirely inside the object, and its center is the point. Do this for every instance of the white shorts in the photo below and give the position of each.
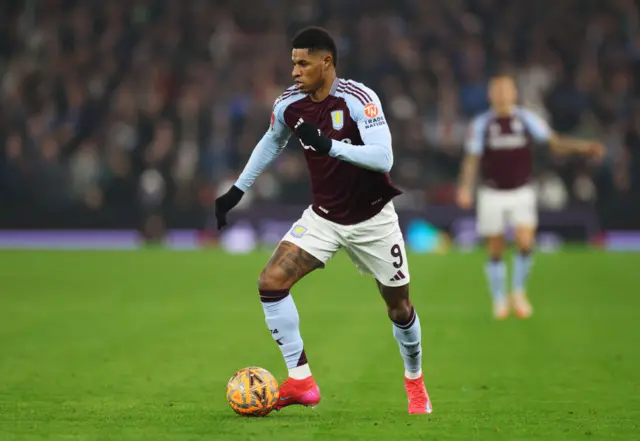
(375, 246)
(499, 208)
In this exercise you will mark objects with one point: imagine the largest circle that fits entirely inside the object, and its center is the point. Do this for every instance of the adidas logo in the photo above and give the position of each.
(399, 276)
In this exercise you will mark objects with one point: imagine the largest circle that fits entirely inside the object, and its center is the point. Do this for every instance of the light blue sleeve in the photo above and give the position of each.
(267, 149)
(376, 154)
(474, 144)
(537, 126)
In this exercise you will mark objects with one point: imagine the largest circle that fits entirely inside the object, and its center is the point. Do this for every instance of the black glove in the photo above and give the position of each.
(225, 203)
(311, 136)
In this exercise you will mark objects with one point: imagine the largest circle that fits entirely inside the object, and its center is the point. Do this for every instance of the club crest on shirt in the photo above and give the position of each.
(337, 119)
(298, 231)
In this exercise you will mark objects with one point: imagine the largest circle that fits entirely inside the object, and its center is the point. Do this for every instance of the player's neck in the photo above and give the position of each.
(503, 110)
(323, 92)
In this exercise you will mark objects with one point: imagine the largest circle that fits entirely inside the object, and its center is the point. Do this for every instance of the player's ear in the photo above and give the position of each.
(327, 62)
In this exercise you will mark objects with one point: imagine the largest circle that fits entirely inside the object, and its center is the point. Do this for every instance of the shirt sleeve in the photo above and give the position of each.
(537, 126)
(376, 153)
(474, 143)
(267, 149)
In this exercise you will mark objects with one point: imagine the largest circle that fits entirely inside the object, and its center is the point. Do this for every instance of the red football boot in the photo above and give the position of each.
(419, 402)
(304, 392)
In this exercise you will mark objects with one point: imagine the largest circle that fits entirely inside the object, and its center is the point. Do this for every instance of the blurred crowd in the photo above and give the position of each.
(106, 105)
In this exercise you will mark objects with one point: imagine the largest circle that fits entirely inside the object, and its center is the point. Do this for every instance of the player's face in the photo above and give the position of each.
(502, 92)
(309, 69)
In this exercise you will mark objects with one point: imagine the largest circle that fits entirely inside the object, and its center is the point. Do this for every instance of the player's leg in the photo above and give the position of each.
(305, 248)
(491, 226)
(408, 334)
(377, 248)
(526, 222)
(287, 265)
(496, 273)
(406, 326)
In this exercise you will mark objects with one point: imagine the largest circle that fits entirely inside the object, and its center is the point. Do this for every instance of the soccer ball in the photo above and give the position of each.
(252, 391)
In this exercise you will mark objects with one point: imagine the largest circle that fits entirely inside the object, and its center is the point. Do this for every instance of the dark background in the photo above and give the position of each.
(115, 113)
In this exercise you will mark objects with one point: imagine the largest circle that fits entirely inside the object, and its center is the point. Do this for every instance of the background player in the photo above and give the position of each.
(500, 144)
(347, 145)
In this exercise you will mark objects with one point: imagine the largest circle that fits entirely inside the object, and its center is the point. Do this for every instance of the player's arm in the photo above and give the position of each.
(376, 153)
(473, 147)
(563, 145)
(560, 145)
(469, 170)
(267, 149)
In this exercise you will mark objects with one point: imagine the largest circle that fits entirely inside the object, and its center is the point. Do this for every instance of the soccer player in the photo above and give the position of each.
(342, 131)
(500, 145)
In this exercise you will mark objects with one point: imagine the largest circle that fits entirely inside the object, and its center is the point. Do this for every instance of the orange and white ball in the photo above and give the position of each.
(252, 391)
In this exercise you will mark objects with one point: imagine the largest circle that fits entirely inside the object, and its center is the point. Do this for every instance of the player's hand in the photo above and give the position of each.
(311, 136)
(225, 203)
(464, 198)
(595, 150)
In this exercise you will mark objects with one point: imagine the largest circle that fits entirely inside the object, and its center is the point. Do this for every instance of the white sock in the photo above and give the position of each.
(408, 337)
(282, 318)
(496, 271)
(413, 375)
(300, 372)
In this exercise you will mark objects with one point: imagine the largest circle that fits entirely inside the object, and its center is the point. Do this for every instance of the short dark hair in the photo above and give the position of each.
(315, 38)
(504, 72)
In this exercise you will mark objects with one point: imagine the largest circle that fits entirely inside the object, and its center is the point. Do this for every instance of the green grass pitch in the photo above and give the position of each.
(140, 345)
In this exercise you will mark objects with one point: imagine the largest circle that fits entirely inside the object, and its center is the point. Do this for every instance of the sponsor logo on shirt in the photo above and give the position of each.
(373, 117)
(374, 122)
(371, 110)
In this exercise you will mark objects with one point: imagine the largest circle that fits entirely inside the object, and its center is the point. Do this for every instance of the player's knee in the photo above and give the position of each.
(272, 279)
(268, 281)
(401, 311)
(398, 304)
(495, 247)
(525, 241)
(525, 248)
(495, 256)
